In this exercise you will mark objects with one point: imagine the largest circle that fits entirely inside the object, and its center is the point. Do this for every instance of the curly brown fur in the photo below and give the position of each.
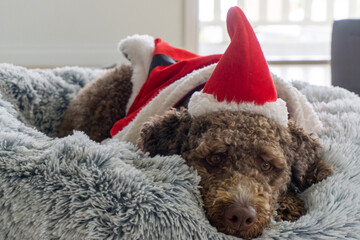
(291, 208)
(244, 145)
(99, 105)
(305, 151)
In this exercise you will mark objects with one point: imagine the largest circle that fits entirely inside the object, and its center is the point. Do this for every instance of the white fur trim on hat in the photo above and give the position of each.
(138, 49)
(202, 103)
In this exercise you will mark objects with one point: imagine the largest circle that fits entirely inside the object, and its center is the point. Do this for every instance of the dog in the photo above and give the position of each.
(234, 130)
(247, 162)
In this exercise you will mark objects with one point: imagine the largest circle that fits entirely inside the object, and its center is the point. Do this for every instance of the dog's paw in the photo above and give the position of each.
(291, 208)
(323, 171)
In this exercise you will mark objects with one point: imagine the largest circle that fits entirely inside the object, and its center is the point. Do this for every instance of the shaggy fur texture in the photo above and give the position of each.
(244, 145)
(99, 105)
(130, 195)
(243, 159)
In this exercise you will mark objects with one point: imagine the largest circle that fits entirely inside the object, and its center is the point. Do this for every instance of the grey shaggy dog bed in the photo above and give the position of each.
(54, 188)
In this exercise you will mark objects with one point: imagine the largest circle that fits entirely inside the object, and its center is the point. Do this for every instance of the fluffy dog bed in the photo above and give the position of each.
(54, 188)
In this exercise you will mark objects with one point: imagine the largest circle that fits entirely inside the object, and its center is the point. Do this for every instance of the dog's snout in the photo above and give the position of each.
(240, 217)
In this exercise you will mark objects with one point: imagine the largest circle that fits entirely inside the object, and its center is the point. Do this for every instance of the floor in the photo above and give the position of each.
(316, 73)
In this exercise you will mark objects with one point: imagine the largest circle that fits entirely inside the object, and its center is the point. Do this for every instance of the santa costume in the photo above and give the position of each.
(238, 80)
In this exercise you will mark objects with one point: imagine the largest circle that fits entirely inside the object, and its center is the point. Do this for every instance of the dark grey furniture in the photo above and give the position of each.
(345, 54)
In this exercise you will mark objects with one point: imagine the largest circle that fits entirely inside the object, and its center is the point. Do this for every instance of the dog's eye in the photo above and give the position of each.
(214, 159)
(265, 166)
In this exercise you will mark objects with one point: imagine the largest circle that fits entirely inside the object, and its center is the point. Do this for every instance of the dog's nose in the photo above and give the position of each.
(240, 217)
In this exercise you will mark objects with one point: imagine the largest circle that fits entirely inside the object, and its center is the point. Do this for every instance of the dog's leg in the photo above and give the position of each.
(291, 208)
(99, 105)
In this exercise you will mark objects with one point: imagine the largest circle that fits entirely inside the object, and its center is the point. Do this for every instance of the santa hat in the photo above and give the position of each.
(241, 80)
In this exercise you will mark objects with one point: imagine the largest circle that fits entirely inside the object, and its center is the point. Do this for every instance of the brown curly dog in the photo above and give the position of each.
(249, 165)
(246, 163)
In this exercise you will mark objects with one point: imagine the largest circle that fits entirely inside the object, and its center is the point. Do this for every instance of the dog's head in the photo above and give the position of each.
(246, 161)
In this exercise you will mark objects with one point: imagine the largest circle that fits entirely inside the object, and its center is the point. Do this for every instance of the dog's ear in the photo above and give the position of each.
(304, 154)
(166, 134)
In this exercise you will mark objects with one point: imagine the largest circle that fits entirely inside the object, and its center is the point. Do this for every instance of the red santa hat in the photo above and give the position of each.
(241, 80)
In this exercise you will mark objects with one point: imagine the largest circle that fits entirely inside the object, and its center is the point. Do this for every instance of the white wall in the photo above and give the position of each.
(82, 32)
